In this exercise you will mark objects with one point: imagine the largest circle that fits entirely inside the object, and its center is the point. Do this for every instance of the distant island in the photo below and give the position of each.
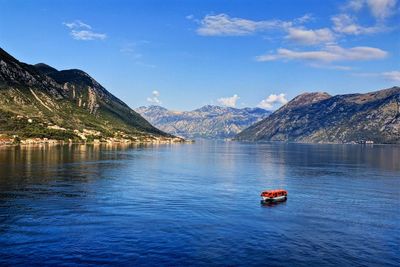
(321, 118)
(210, 122)
(39, 104)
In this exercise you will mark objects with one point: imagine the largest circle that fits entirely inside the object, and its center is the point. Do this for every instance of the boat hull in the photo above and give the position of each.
(274, 199)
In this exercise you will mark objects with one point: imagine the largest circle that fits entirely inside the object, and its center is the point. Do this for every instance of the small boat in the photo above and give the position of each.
(277, 195)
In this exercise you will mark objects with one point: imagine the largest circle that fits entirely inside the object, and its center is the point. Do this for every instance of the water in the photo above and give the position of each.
(198, 204)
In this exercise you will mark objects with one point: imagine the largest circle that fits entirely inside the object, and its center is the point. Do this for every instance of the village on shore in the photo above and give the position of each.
(92, 137)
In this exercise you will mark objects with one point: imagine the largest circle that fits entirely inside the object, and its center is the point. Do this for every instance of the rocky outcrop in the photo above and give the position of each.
(206, 122)
(321, 118)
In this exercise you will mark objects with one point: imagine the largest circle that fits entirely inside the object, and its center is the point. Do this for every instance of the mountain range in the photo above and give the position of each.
(41, 102)
(38, 101)
(322, 118)
(206, 122)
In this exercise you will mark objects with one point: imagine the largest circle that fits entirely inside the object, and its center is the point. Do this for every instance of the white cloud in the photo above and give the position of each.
(304, 19)
(355, 5)
(392, 75)
(330, 53)
(224, 25)
(82, 31)
(228, 101)
(155, 98)
(77, 24)
(272, 100)
(310, 37)
(87, 35)
(331, 67)
(380, 9)
(346, 24)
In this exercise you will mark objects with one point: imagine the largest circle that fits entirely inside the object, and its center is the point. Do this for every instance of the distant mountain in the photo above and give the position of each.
(38, 101)
(206, 122)
(319, 117)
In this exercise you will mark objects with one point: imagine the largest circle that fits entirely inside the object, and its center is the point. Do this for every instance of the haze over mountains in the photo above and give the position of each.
(206, 122)
(321, 118)
(38, 101)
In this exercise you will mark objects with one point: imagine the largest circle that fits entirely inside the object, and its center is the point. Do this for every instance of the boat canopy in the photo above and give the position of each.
(274, 193)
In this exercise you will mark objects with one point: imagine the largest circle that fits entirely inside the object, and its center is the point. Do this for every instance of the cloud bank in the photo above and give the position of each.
(326, 42)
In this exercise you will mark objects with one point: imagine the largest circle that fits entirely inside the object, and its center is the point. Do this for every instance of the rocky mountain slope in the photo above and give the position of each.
(206, 122)
(38, 101)
(319, 117)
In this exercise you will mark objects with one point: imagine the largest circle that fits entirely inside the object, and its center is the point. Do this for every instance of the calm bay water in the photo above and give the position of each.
(198, 204)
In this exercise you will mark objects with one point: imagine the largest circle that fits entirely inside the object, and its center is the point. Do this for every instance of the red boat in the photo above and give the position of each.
(276, 195)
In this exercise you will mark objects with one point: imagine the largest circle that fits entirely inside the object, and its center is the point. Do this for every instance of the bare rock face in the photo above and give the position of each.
(318, 117)
(206, 122)
(307, 99)
(70, 99)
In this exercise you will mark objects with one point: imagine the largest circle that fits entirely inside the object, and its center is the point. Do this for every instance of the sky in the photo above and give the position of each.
(186, 54)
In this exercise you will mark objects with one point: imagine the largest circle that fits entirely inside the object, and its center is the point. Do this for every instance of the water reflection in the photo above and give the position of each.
(45, 170)
(198, 204)
(381, 157)
(23, 166)
(272, 204)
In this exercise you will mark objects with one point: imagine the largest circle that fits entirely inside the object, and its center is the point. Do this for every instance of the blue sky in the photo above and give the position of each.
(185, 54)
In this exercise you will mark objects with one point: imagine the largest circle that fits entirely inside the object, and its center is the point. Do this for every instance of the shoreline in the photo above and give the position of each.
(45, 141)
(311, 143)
(178, 141)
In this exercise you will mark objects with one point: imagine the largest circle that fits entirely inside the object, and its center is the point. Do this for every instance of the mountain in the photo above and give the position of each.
(321, 118)
(206, 122)
(38, 101)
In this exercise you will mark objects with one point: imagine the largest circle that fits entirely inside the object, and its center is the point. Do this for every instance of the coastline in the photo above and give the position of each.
(112, 141)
